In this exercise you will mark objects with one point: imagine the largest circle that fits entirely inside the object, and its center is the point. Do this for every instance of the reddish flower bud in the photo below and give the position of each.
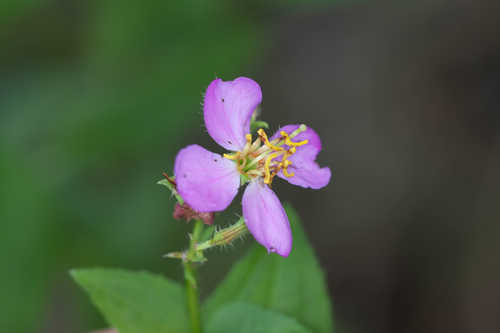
(185, 212)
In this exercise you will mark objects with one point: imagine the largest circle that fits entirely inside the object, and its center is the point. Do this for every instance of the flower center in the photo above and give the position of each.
(264, 158)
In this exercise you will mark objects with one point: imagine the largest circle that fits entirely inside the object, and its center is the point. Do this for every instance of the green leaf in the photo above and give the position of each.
(135, 302)
(294, 286)
(249, 318)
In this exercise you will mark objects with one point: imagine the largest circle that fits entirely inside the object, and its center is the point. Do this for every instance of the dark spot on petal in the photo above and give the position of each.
(216, 160)
(184, 175)
(222, 99)
(229, 142)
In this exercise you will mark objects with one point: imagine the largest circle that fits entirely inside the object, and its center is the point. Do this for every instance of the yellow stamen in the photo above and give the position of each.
(302, 128)
(263, 135)
(232, 157)
(267, 177)
(257, 159)
(290, 142)
(286, 163)
(248, 145)
(255, 145)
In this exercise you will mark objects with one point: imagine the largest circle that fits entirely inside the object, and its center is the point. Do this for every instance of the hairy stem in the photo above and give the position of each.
(225, 236)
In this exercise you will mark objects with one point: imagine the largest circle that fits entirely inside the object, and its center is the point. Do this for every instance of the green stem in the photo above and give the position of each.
(192, 296)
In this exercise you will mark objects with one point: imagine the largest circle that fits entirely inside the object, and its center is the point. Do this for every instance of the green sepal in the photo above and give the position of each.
(172, 189)
(255, 125)
(244, 179)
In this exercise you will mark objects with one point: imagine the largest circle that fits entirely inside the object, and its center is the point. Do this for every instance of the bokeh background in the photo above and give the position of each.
(96, 97)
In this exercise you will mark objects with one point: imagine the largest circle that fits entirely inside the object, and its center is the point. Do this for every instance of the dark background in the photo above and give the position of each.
(96, 98)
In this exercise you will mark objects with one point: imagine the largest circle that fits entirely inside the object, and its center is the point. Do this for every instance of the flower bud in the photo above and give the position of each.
(185, 212)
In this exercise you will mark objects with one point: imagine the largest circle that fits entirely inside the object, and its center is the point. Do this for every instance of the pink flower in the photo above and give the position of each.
(209, 182)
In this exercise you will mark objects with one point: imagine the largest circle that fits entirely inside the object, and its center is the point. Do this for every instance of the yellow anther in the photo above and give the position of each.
(263, 135)
(290, 142)
(267, 178)
(249, 138)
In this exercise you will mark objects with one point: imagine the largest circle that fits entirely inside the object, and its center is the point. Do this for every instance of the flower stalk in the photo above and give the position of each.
(192, 295)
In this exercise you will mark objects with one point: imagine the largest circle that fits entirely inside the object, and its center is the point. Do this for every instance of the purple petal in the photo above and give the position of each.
(228, 109)
(307, 173)
(266, 218)
(205, 180)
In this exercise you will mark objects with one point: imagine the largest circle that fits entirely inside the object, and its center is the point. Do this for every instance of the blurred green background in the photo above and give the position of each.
(96, 97)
